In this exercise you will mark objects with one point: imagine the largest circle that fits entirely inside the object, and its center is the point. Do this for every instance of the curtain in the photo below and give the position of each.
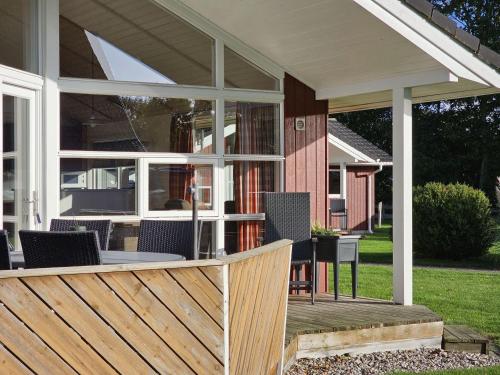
(181, 141)
(254, 135)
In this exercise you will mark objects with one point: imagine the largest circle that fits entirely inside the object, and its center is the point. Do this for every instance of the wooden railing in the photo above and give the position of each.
(224, 316)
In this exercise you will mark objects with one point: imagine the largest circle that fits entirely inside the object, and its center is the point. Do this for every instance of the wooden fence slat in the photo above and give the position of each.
(28, 347)
(124, 320)
(257, 302)
(202, 290)
(215, 276)
(88, 325)
(50, 328)
(163, 322)
(185, 308)
(10, 365)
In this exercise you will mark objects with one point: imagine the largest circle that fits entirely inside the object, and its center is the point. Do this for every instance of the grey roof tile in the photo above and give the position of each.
(356, 141)
(446, 24)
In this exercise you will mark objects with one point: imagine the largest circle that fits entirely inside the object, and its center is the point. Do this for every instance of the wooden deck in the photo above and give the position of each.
(348, 326)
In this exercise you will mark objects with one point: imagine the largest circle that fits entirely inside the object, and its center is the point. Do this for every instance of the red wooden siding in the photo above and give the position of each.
(306, 158)
(357, 197)
(306, 151)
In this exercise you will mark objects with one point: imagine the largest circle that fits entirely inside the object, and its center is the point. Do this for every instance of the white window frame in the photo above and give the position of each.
(335, 169)
(56, 85)
(178, 213)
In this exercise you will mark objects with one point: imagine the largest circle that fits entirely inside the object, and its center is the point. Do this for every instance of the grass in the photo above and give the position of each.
(494, 370)
(458, 296)
(377, 248)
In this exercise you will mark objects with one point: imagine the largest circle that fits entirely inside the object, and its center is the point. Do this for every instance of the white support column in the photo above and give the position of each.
(402, 196)
(343, 180)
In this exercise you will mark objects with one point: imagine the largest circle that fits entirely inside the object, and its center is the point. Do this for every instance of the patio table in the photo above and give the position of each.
(113, 257)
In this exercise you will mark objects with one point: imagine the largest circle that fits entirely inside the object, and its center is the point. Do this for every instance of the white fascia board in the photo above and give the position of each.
(435, 42)
(198, 21)
(356, 154)
(410, 80)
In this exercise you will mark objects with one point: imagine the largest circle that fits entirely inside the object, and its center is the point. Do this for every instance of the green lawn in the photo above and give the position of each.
(460, 297)
(377, 248)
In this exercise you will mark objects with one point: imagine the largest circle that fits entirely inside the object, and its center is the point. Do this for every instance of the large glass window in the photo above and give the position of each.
(136, 41)
(136, 123)
(169, 186)
(251, 128)
(98, 187)
(242, 235)
(18, 34)
(240, 73)
(245, 182)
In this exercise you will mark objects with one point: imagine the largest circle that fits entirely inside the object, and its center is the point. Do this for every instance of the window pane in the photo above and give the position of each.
(334, 182)
(18, 34)
(9, 187)
(169, 184)
(242, 235)
(251, 128)
(139, 41)
(245, 181)
(241, 73)
(97, 187)
(133, 123)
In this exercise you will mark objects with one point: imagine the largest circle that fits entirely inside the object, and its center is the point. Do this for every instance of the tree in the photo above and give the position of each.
(456, 140)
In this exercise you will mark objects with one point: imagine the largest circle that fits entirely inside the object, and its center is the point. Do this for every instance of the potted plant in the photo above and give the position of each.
(327, 241)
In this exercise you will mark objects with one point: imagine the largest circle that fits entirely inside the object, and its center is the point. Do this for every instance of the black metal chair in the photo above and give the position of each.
(338, 209)
(4, 251)
(288, 217)
(103, 228)
(162, 236)
(59, 249)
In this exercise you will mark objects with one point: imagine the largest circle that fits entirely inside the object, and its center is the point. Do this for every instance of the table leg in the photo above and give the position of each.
(336, 272)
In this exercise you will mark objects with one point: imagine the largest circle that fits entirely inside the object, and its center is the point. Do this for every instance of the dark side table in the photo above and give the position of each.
(338, 250)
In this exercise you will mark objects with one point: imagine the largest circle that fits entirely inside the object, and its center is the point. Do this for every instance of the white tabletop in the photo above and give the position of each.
(114, 257)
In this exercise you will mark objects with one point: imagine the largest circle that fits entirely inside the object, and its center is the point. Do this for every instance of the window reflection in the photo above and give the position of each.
(97, 187)
(251, 128)
(169, 186)
(242, 235)
(245, 181)
(241, 73)
(18, 34)
(136, 123)
(139, 41)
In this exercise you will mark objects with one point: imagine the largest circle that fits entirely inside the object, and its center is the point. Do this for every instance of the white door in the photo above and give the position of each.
(17, 119)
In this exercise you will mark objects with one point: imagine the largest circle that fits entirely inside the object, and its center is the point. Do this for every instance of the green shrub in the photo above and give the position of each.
(451, 221)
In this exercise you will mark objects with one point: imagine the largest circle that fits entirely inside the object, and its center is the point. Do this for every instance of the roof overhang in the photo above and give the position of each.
(356, 155)
(352, 52)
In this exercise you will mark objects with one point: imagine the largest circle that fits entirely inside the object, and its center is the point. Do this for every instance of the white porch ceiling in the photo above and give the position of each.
(333, 44)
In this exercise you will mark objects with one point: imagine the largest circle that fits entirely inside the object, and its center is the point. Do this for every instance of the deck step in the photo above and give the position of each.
(461, 338)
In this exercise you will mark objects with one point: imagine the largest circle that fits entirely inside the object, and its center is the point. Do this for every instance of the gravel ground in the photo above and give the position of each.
(386, 362)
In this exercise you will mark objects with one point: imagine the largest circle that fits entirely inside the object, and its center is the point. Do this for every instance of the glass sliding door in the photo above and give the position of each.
(20, 201)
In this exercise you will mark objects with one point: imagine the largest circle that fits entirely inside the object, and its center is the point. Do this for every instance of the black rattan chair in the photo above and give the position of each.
(103, 228)
(338, 209)
(4, 251)
(59, 249)
(161, 236)
(288, 217)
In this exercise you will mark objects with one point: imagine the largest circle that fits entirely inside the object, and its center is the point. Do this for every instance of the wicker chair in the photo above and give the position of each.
(59, 249)
(4, 251)
(161, 236)
(103, 228)
(288, 216)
